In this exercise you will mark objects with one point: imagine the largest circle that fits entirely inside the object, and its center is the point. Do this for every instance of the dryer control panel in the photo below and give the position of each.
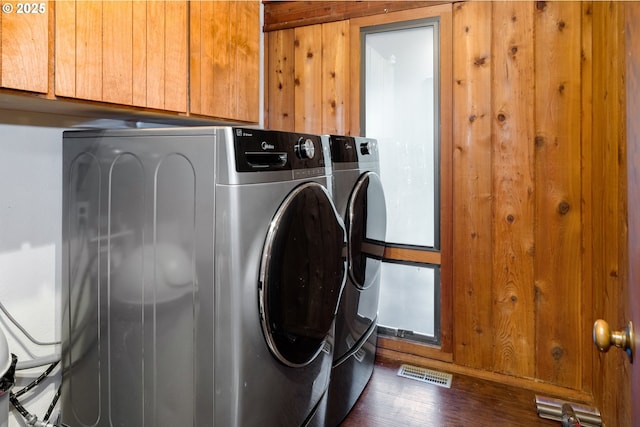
(349, 149)
(268, 150)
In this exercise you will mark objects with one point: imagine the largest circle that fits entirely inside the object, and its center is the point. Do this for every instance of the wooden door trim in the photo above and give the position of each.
(445, 257)
(412, 255)
(280, 15)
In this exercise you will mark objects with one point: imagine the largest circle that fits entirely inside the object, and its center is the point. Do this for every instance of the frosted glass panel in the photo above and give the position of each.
(401, 113)
(408, 298)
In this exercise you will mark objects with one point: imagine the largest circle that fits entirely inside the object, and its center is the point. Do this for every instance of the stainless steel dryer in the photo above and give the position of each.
(202, 269)
(359, 198)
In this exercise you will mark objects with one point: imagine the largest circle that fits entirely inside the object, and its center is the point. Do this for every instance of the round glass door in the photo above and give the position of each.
(302, 273)
(366, 228)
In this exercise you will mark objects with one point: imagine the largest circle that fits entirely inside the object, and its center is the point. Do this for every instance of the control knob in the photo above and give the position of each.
(305, 148)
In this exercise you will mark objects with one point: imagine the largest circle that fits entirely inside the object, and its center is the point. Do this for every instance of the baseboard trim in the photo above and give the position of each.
(384, 355)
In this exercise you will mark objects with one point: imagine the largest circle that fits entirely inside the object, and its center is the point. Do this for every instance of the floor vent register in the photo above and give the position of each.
(440, 379)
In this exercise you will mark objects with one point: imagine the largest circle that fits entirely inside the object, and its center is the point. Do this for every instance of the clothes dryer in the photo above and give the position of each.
(202, 269)
(359, 198)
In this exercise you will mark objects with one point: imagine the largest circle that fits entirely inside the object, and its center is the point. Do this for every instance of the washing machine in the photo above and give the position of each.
(359, 197)
(202, 270)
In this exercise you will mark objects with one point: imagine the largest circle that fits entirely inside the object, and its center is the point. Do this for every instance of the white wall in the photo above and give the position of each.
(30, 247)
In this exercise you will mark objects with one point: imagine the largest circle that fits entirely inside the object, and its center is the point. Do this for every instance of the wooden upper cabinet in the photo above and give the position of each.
(125, 52)
(24, 41)
(225, 59)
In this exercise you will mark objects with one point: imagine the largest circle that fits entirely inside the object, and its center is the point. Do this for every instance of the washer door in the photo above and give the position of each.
(366, 229)
(302, 274)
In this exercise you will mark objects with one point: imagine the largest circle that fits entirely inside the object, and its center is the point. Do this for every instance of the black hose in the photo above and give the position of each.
(52, 405)
(13, 397)
(37, 381)
(16, 404)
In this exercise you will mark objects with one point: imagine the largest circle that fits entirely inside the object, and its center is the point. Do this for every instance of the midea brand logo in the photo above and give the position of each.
(266, 146)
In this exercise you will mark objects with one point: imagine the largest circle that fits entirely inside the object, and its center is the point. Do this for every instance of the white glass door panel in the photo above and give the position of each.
(408, 300)
(401, 112)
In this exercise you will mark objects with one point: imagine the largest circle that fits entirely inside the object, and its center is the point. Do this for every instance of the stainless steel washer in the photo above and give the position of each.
(359, 198)
(202, 269)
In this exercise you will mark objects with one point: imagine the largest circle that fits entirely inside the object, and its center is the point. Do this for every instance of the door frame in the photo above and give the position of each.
(445, 257)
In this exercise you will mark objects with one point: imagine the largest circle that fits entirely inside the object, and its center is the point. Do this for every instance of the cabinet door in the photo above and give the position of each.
(123, 52)
(24, 43)
(225, 59)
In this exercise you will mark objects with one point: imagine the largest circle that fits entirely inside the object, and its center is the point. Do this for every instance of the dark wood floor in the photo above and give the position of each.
(390, 400)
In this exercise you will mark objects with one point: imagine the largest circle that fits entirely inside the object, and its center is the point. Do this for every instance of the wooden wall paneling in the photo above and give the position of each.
(354, 79)
(117, 50)
(156, 52)
(209, 85)
(166, 49)
(139, 46)
(472, 190)
(176, 68)
(196, 52)
(88, 50)
(280, 76)
(558, 217)
(220, 58)
(24, 47)
(335, 77)
(308, 79)
(228, 66)
(65, 50)
(588, 184)
(513, 188)
(247, 27)
(609, 221)
(124, 52)
(224, 46)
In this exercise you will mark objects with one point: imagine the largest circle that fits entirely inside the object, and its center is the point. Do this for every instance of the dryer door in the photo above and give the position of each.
(366, 228)
(301, 275)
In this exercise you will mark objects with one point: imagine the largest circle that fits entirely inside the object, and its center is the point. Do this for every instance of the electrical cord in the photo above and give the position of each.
(23, 330)
(37, 362)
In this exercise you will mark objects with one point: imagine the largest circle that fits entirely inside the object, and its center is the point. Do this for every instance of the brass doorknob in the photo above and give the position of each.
(604, 337)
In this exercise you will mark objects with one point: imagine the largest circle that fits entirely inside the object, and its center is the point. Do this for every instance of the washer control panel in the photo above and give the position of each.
(269, 150)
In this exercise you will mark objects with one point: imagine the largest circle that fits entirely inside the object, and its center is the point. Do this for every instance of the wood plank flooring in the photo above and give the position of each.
(390, 400)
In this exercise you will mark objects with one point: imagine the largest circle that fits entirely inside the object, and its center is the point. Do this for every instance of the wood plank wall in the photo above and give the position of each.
(534, 163)
(539, 206)
(307, 84)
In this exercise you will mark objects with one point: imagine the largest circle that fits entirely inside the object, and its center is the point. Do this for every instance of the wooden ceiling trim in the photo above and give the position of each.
(280, 15)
